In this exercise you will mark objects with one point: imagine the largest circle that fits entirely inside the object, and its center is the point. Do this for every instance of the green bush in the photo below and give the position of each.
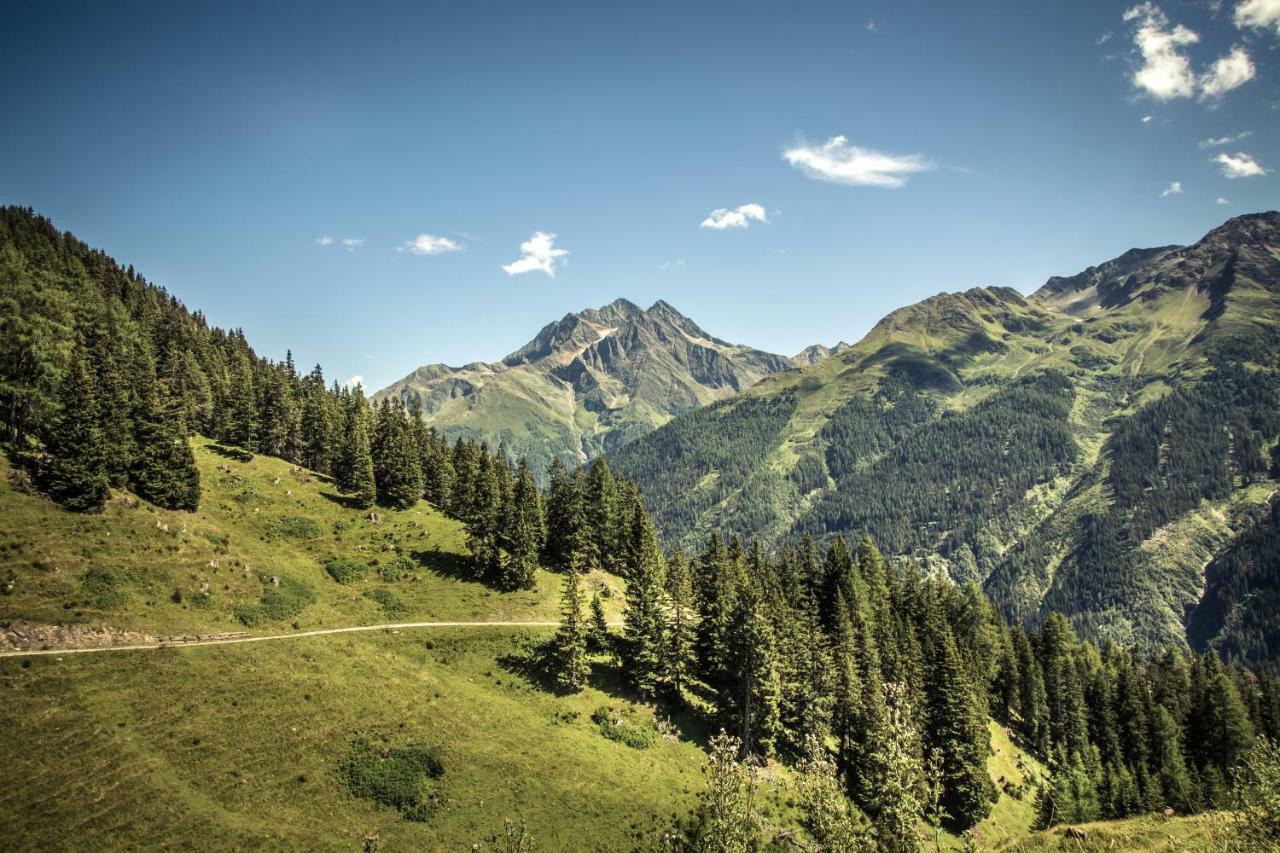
(396, 569)
(286, 600)
(391, 605)
(248, 614)
(398, 777)
(292, 527)
(105, 587)
(613, 725)
(344, 570)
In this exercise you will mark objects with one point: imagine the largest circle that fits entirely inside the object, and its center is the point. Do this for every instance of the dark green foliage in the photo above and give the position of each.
(391, 605)
(284, 599)
(572, 667)
(104, 587)
(345, 570)
(356, 472)
(402, 778)
(616, 724)
(76, 474)
(164, 469)
(727, 437)
(397, 458)
(291, 527)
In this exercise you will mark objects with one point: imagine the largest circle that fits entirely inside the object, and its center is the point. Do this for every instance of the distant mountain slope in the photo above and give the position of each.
(1089, 448)
(588, 382)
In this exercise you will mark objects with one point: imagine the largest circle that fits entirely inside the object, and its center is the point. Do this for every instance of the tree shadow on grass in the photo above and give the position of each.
(234, 453)
(344, 501)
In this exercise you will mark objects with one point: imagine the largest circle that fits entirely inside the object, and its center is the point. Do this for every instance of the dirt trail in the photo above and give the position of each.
(226, 641)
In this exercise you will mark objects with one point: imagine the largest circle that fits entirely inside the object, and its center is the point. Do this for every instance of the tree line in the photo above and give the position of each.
(892, 677)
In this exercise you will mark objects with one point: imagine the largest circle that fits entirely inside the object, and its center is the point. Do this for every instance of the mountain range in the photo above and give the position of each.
(1103, 446)
(587, 383)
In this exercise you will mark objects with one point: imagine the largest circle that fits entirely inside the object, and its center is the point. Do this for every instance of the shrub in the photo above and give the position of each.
(104, 587)
(397, 777)
(396, 569)
(291, 527)
(344, 570)
(614, 726)
(286, 600)
(248, 614)
(391, 605)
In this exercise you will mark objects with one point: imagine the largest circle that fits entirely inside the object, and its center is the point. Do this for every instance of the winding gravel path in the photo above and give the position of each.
(392, 626)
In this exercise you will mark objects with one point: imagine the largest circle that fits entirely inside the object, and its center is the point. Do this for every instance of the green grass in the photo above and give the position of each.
(122, 567)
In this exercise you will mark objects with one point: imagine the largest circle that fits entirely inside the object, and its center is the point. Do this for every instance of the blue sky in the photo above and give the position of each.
(214, 145)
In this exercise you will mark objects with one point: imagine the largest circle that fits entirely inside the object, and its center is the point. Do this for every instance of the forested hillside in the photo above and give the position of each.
(1088, 449)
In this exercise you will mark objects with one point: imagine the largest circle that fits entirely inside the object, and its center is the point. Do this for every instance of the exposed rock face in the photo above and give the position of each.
(587, 382)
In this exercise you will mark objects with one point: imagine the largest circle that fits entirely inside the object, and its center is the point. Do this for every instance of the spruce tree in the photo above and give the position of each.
(164, 470)
(678, 646)
(242, 424)
(643, 623)
(598, 630)
(572, 667)
(76, 472)
(357, 466)
(567, 538)
(754, 690)
(397, 465)
(523, 530)
(604, 523)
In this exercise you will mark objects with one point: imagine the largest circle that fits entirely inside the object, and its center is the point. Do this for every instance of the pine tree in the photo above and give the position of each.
(572, 667)
(164, 470)
(397, 466)
(754, 690)
(76, 473)
(643, 619)
(678, 645)
(1169, 765)
(523, 531)
(357, 465)
(604, 523)
(957, 731)
(485, 517)
(242, 424)
(317, 429)
(598, 632)
(567, 529)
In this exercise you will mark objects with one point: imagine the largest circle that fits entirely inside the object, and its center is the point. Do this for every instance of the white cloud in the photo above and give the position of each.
(722, 217)
(325, 240)
(429, 244)
(1104, 38)
(1219, 141)
(1239, 165)
(671, 266)
(1165, 72)
(1222, 200)
(839, 162)
(1258, 14)
(354, 382)
(1174, 188)
(871, 26)
(352, 243)
(1234, 69)
(1147, 119)
(538, 253)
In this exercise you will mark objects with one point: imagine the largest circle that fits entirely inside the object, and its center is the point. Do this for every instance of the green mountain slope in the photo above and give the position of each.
(1088, 448)
(587, 383)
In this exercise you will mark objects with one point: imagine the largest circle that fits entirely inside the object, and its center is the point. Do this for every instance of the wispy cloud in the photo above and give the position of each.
(1166, 72)
(354, 382)
(1222, 200)
(352, 243)
(429, 244)
(537, 253)
(739, 217)
(671, 266)
(1258, 15)
(841, 163)
(872, 26)
(1174, 188)
(1239, 165)
(326, 240)
(1219, 141)
(1147, 119)
(1234, 69)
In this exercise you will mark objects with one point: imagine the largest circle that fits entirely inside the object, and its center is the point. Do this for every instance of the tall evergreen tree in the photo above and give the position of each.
(607, 529)
(164, 470)
(678, 646)
(397, 466)
(76, 473)
(357, 458)
(643, 622)
(572, 667)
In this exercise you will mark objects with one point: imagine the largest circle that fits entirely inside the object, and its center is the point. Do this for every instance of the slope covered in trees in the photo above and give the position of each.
(1086, 449)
